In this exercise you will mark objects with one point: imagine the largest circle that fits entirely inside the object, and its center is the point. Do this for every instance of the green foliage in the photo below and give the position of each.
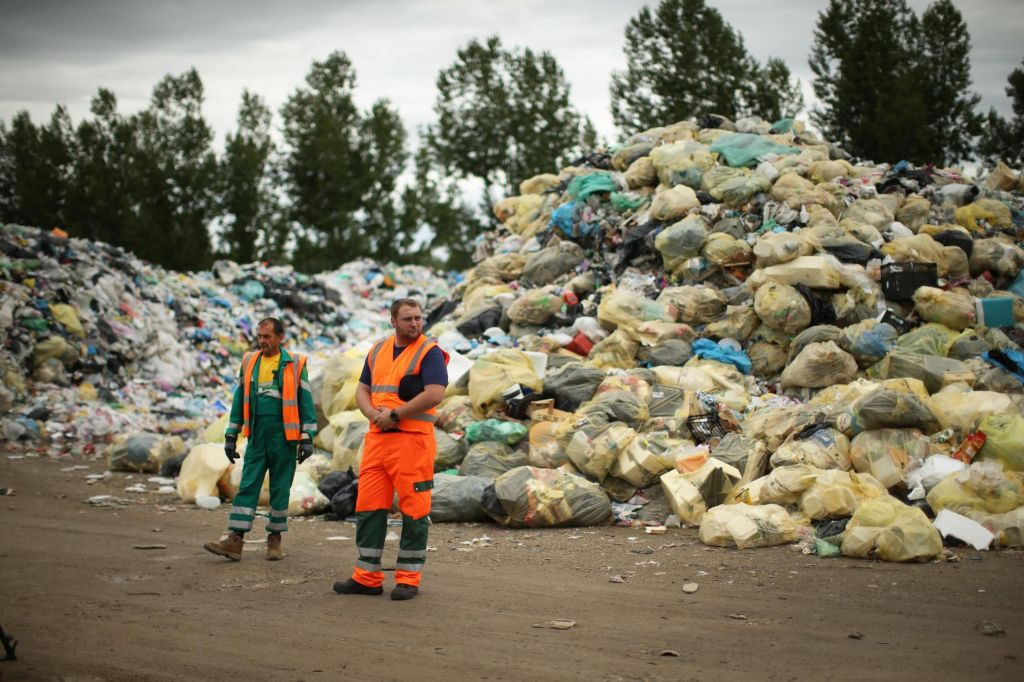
(100, 199)
(684, 61)
(174, 169)
(433, 202)
(893, 86)
(339, 169)
(953, 123)
(503, 115)
(1003, 140)
(253, 228)
(38, 160)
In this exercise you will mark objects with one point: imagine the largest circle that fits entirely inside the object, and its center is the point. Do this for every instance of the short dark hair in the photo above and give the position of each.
(402, 302)
(274, 322)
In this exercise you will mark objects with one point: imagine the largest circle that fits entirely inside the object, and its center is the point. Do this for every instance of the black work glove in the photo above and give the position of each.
(305, 450)
(231, 448)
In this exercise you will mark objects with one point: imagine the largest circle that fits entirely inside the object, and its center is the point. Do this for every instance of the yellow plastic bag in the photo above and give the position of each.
(68, 318)
(304, 498)
(952, 308)
(1005, 440)
(214, 433)
(615, 352)
(341, 376)
(539, 184)
(200, 471)
(674, 203)
(816, 272)
(738, 322)
(691, 494)
(782, 307)
(819, 365)
(647, 457)
(835, 494)
(628, 309)
(983, 488)
(889, 530)
(993, 213)
(495, 372)
(921, 248)
(824, 449)
(964, 410)
(743, 526)
(594, 454)
(783, 485)
(886, 453)
(694, 304)
(518, 213)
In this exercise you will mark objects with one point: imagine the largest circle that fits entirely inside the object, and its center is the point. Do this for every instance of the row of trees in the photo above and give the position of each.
(344, 183)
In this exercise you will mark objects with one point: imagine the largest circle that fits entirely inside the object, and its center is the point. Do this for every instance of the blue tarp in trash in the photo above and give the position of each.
(709, 350)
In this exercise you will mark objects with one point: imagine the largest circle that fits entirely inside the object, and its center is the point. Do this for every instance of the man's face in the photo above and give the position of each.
(408, 323)
(270, 343)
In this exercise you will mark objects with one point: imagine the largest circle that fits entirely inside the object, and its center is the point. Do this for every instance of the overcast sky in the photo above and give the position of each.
(54, 52)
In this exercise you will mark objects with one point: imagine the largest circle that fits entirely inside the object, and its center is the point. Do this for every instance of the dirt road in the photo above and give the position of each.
(87, 605)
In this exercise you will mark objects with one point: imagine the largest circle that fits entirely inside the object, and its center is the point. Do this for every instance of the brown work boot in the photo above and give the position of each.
(274, 552)
(230, 547)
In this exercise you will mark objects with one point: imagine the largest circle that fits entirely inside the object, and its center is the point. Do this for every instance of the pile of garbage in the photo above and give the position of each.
(734, 326)
(727, 325)
(97, 344)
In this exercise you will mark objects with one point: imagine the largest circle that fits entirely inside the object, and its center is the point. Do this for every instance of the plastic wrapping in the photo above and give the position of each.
(819, 365)
(836, 494)
(825, 448)
(527, 497)
(490, 459)
(1005, 440)
(781, 307)
(886, 453)
(494, 373)
(886, 529)
(594, 453)
(691, 494)
(458, 498)
(744, 526)
(954, 309)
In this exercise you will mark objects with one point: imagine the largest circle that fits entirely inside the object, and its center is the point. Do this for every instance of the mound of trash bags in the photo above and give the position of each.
(786, 343)
(789, 343)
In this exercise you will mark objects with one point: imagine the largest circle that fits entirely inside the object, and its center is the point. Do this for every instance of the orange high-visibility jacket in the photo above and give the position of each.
(386, 371)
(291, 378)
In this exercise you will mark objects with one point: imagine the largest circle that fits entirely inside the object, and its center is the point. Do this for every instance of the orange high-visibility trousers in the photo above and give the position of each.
(393, 462)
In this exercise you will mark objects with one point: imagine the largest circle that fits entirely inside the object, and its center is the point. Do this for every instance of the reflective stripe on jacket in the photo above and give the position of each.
(291, 380)
(386, 371)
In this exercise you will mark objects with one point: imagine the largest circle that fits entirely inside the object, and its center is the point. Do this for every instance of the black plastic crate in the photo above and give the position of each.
(901, 280)
(704, 427)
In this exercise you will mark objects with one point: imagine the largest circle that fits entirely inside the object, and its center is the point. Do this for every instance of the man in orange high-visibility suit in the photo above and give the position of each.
(404, 378)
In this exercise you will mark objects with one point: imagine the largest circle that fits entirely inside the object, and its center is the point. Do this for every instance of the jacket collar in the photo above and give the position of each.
(285, 356)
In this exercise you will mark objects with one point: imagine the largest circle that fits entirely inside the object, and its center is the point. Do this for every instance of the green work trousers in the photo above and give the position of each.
(267, 450)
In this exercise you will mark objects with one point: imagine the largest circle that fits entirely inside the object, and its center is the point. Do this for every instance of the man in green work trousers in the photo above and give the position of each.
(273, 408)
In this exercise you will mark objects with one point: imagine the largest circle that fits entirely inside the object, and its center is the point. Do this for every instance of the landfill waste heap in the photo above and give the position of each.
(726, 325)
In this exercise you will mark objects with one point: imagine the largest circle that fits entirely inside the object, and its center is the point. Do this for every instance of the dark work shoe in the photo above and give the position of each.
(403, 592)
(350, 586)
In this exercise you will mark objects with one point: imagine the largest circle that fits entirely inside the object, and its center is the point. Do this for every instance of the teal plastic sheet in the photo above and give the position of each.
(744, 150)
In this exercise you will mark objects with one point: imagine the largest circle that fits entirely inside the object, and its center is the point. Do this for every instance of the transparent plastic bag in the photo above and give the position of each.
(886, 529)
(528, 497)
(744, 526)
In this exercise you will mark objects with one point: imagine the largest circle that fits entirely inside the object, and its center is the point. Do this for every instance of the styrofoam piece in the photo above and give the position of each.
(951, 524)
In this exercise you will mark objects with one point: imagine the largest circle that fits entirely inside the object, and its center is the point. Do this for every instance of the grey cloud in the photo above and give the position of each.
(61, 52)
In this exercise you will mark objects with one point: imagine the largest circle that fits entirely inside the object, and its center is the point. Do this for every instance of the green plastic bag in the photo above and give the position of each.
(744, 149)
(505, 432)
(582, 186)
